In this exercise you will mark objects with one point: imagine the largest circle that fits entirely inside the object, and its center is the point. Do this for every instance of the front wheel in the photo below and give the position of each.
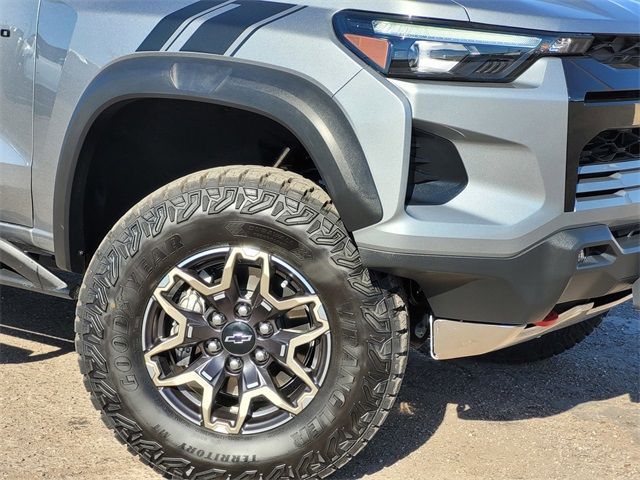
(227, 329)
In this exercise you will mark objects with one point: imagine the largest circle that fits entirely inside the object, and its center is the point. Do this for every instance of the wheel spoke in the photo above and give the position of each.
(255, 383)
(203, 370)
(195, 282)
(208, 373)
(226, 292)
(281, 305)
(225, 301)
(279, 344)
(282, 346)
(192, 327)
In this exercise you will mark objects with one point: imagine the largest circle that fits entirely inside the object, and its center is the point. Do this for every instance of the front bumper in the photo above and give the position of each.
(568, 267)
(513, 140)
(505, 249)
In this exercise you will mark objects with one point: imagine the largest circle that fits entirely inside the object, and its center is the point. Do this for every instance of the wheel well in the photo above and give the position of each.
(137, 146)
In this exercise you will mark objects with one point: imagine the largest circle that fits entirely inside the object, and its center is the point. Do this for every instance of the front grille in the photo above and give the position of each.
(609, 169)
(612, 146)
(616, 50)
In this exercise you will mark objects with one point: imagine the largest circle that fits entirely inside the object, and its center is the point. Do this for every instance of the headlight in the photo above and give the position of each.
(415, 48)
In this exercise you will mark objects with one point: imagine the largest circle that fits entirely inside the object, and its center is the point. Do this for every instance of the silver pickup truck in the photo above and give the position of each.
(260, 205)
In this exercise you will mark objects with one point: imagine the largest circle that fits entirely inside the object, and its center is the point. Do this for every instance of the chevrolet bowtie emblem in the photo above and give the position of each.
(238, 338)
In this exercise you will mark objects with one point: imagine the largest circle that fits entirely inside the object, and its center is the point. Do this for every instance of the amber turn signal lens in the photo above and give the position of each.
(376, 49)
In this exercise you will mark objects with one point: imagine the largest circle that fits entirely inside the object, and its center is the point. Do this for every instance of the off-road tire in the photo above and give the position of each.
(547, 346)
(295, 219)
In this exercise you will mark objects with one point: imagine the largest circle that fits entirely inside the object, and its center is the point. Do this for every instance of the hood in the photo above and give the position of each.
(571, 16)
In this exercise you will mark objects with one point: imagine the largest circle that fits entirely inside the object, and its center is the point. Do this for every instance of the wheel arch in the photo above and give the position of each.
(295, 102)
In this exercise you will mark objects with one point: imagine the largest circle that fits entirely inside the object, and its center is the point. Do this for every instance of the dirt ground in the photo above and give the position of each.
(573, 417)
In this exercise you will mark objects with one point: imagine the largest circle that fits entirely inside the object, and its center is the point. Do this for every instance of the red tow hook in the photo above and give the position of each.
(548, 320)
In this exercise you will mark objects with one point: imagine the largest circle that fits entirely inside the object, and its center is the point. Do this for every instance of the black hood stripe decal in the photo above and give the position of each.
(223, 26)
(169, 24)
(217, 34)
(242, 39)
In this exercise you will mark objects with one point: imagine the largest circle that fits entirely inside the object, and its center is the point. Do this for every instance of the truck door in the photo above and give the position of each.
(18, 24)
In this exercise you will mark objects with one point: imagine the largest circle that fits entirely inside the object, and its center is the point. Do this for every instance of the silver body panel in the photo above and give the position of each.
(593, 16)
(17, 58)
(513, 153)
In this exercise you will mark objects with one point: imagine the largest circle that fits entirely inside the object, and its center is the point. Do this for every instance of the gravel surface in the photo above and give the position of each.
(575, 416)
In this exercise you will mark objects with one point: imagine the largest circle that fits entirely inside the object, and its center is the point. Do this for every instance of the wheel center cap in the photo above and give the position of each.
(238, 338)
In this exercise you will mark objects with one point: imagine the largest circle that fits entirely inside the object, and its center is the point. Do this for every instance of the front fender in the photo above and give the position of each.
(292, 100)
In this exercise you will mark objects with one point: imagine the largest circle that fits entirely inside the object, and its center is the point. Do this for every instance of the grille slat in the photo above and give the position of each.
(609, 200)
(608, 167)
(619, 51)
(615, 181)
(609, 170)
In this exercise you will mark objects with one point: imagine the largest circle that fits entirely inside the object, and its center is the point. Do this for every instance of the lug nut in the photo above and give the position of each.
(243, 310)
(234, 364)
(213, 346)
(261, 355)
(265, 329)
(217, 319)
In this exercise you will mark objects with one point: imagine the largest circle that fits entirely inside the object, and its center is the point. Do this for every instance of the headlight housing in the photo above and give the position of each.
(431, 49)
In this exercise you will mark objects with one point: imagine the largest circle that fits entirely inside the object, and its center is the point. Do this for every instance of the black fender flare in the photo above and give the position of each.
(294, 101)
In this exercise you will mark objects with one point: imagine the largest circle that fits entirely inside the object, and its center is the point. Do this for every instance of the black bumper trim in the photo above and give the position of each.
(517, 290)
